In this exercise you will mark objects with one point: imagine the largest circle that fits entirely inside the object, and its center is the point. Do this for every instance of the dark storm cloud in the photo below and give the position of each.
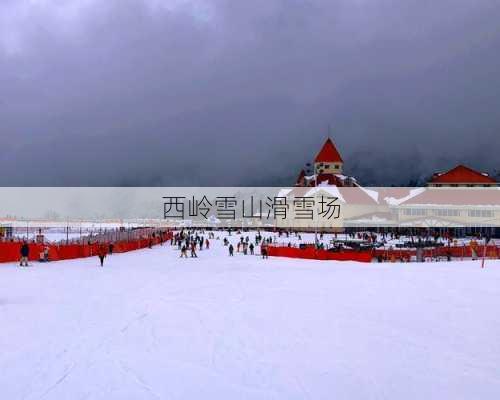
(164, 92)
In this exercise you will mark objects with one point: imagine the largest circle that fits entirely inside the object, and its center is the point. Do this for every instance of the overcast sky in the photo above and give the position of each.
(230, 92)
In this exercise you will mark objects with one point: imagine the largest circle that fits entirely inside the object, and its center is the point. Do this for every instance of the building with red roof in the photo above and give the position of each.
(456, 206)
(328, 165)
(462, 176)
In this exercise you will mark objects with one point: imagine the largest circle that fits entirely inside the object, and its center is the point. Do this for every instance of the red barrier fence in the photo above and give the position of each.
(444, 251)
(314, 254)
(310, 252)
(10, 251)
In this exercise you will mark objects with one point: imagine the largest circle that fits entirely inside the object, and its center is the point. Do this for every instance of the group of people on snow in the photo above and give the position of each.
(190, 241)
(24, 254)
(245, 246)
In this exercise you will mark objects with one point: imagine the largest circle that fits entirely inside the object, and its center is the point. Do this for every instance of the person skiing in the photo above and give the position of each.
(101, 253)
(207, 244)
(231, 250)
(25, 253)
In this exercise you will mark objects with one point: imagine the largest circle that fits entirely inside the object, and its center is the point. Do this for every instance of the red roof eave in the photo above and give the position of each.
(462, 174)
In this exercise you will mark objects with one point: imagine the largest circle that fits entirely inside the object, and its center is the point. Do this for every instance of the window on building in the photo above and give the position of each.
(415, 212)
(481, 213)
(446, 213)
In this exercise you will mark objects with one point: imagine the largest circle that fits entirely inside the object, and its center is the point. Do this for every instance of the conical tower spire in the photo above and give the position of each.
(328, 153)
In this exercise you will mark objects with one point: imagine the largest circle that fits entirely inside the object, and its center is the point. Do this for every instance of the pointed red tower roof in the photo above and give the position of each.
(462, 174)
(328, 153)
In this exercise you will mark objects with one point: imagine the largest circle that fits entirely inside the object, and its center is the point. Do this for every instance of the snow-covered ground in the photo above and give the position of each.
(150, 325)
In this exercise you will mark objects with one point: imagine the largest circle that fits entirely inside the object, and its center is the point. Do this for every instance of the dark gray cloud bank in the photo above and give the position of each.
(229, 92)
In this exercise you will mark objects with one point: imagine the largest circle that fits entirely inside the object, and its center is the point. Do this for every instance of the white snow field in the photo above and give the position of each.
(150, 325)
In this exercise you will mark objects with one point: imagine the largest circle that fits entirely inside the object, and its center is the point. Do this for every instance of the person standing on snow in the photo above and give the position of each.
(251, 248)
(101, 253)
(46, 254)
(263, 251)
(193, 249)
(25, 253)
(184, 251)
(231, 250)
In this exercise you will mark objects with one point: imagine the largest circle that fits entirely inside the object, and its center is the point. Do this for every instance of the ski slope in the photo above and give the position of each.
(150, 325)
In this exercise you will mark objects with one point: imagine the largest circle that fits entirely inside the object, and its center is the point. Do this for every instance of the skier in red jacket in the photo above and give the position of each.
(102, 252)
